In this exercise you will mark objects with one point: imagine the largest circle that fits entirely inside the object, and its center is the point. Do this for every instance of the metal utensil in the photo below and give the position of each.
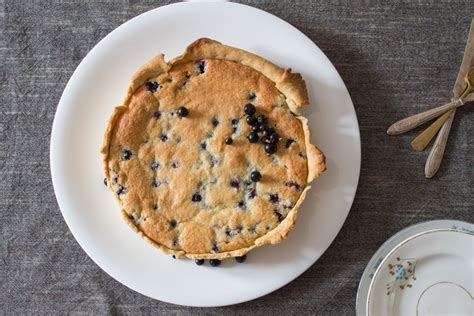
(436, 155)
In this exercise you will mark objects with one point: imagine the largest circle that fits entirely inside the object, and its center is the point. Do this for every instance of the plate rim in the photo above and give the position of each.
(394, 243)
(55, 176)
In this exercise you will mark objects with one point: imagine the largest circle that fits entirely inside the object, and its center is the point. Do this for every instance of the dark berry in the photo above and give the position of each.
(241, 259)
(175, 243)
(253, 137)
(130, 217)
(251, 193)
(121, 190)
(234, 183)
(255, 128)
(234, 130)
(174, 165)
(255, 176)
(164, 138)
(201, 66)
(269, 131)
(126, 154)
(293, 184)
(182, 111)
(279, 215)
(274, 138)
(228, 140)
(252, 96)
(241, 205)
(152, 86)
(157, 115)
(156, 207)
(155, 183)
(215, 248)
(235, 121)
(262, 127)
(199, 262)
(154, 165)
(203, 146)
(270, 148)
(289, 141)
(215, 262)
(105, 181)
(249, 109)
(261, 119)
(173, 223)
(173, 256)
(196, 197)
(273, 197)
(215, 122)
(251, 120)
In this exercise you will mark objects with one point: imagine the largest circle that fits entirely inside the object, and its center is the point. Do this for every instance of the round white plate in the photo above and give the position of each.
(425, 269)
(100, 82)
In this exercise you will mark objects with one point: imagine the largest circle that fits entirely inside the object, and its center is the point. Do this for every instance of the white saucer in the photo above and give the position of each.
(425, 269)
(99, 83)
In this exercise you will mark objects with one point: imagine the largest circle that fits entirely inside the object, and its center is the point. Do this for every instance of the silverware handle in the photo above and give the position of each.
(436, 154)
(413, 121)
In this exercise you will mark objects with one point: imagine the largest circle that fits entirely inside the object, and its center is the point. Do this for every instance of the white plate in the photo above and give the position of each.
(425, 269)
(99, 83)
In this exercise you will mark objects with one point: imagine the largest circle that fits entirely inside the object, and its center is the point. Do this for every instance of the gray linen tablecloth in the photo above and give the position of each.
(396, 60)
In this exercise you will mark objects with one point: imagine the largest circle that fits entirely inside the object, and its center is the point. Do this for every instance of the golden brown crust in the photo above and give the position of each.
(125, 127)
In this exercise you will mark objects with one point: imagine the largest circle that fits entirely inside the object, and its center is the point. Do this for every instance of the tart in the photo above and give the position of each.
(208, 155)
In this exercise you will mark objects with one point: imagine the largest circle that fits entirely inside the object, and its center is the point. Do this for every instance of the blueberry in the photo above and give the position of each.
(155, 183)
(175, 243)
(293, 184)
(154, 165)
(241, 205)
(173, 223)
(157, 115)
(122, 190)
(235, 121)
(173, 256)
(174, 165)
(251, 193)
(279, 215)
(126, 154)
(274, 138)
(288, 143)
(273, 197)
(199, 262)
(253, 137)
(215, 248)
(234, 129)
(182, 111)
(196, 197)
(249, 109)
(156, 206)
(251, 120)
(241, 259)
(152, 86)
(270, 148)
(255, 176)
(255, 128)
(235, 183)
(215, 262)
(164, 138)
(130, 217)
(105, 181)
(214, 122)
(261, 119)
(269, 131)
(252, 96)
(228, 140)
(203, 146)
(201, 66)
(262, 127)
